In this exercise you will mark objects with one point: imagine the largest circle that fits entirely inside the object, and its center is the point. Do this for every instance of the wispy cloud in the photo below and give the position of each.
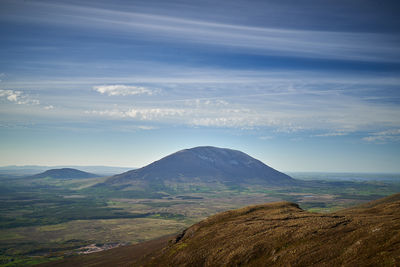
(262, 40)
(205, 102)
(147, 114)
(266, 137)
(181, 91)
(392, 135)
(153, 113)
(123, 90)
(279, 112)
(281, 100)
(146, 127)
(332, 134)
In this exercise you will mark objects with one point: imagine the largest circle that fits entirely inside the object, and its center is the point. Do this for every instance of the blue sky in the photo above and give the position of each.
(302, 86)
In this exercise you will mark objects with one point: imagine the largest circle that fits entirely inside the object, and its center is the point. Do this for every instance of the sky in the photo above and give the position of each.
(301, 85)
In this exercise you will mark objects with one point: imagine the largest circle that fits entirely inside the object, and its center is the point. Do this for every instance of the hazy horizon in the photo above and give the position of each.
(137, 167)
(310, 86)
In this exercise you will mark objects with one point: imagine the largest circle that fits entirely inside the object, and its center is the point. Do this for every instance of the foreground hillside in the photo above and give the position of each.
(276, 234)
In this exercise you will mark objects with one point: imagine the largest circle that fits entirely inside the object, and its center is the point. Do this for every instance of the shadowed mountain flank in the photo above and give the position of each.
(65, 173)
(205, 164)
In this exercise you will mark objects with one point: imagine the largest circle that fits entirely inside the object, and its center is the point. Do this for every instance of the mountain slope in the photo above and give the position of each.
(205, 164)
(281, 234)
(65, 173)
(274, 234)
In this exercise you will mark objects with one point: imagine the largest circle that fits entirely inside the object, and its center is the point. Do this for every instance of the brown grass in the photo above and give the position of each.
(281, 234)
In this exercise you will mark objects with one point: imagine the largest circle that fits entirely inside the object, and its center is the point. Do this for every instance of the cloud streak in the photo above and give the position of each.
(161, 74)
(289, 112)
(123, 90)
(330, 104)
(388, 136)
(146, 114)
(358, 46)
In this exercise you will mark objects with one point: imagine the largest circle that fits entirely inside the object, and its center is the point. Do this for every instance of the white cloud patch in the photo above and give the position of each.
(150, 114)
(206, 103)
(124, 90)
(392, 135)
(154, 113)
(332, 134)
(18, 97)
(109, 113)
(235, 122)
(266, 137)
(49, 107)
(10, 95)
(146, 127)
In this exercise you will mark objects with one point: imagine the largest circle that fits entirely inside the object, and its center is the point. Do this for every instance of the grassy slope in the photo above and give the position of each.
(281, 234)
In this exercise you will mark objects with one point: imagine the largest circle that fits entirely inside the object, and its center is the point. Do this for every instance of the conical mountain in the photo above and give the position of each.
(205, 164)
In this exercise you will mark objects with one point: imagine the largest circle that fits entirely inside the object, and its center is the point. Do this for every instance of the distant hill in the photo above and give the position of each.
(204, 164)
(34, 169)
(65, 173)
(274, 234)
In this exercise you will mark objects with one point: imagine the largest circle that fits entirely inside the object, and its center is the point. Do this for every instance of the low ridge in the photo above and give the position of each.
(65, 173)
(205, 164)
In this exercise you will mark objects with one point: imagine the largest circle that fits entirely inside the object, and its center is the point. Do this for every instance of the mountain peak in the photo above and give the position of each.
(205, 164)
